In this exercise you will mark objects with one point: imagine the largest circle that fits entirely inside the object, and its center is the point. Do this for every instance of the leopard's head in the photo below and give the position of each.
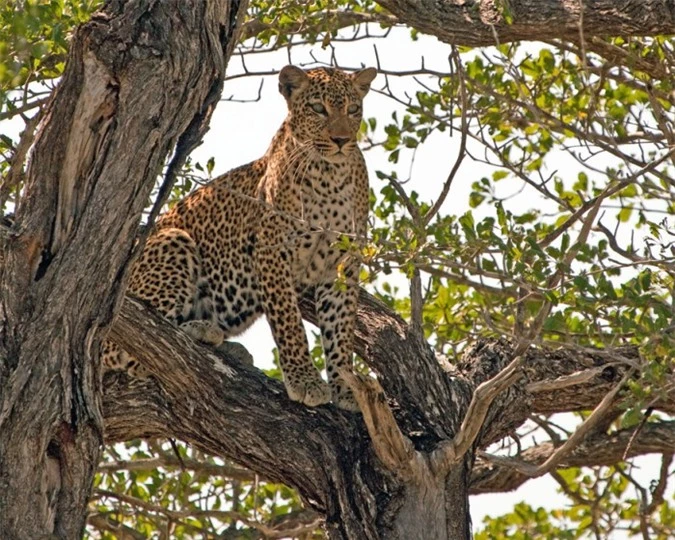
(324, 108)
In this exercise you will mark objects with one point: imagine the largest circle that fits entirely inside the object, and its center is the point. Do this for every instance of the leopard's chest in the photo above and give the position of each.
(327, 213)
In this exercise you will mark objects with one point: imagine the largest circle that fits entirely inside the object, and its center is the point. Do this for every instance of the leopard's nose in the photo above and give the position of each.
(340, 141)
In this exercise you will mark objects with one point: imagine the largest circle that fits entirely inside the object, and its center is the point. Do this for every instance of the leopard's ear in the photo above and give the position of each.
(363, 78)
(291, 79)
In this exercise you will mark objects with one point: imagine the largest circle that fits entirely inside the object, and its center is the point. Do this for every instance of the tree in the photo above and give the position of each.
(515, 312)
(92, 168)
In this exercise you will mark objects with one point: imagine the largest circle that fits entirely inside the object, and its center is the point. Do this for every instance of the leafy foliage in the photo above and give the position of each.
(35, 41)
(275, 23)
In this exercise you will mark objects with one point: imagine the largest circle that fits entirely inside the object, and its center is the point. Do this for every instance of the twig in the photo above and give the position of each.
(15, 174)
(659, 491)
(176, 452)
(410, 207)
(567, 490)
(559, 275)
(547, 427)
(462, 143)
(268, 531)
(23, 108)
(108, 523)
(416, 305)
(638, 428)
(170, 462)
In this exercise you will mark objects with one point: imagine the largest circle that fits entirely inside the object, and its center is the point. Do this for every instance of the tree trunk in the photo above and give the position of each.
(107, 132)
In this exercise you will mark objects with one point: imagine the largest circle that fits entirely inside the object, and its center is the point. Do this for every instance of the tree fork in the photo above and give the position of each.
(230, 409)
(106, 134)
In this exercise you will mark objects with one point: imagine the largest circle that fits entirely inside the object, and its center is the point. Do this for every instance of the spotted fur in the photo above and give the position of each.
(255, 239)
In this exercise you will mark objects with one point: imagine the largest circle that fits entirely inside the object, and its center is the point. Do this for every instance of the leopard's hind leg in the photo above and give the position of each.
(168, 276)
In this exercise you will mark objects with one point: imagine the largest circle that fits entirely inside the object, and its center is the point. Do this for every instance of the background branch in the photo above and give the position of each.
(597, 449)
(489, 21)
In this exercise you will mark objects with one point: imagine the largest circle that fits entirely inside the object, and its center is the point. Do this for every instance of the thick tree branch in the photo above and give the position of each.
(233, 410)
(598, 449)
(494, 21)
(570, 444)
(328, 19)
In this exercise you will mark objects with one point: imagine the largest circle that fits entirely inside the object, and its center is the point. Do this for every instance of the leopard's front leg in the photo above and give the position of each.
(272, 263)
(336, 303)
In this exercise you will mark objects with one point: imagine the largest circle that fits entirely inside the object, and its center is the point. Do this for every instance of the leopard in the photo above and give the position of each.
(253, 241)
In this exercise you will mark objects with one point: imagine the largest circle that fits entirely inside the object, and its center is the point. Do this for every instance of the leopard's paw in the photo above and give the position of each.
(204, 331)
(312, 392)
(344, 398)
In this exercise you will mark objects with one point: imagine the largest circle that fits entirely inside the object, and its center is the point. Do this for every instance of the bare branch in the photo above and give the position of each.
(22, 109)
(557, 457)
(15, 175)
(395, 450)
(659, 490)
(110, 524)
(282, 530)
(614, 244)
(461, 153)
(573, 379)
(416, 304)
(599, 449)
(450, 452)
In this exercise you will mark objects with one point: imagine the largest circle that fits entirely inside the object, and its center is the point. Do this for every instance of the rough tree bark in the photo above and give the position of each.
(140, 78)
(486, 22)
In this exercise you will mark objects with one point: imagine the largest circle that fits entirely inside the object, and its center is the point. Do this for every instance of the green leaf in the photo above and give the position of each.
(625, 213)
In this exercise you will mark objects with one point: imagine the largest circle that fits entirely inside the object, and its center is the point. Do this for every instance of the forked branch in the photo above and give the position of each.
(557, 457)
(451, 452)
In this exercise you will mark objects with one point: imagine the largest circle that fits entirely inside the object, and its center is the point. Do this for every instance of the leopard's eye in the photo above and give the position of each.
(318, 108)
(353, 108)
